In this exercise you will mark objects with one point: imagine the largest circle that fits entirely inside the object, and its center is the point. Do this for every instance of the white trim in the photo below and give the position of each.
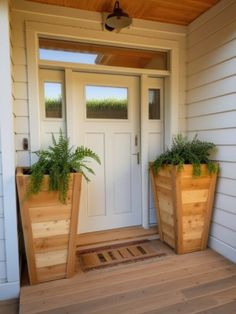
(144, 153)
(69, 107)
(33, 90)
(8, 158)
(101, 37)
(89, 68)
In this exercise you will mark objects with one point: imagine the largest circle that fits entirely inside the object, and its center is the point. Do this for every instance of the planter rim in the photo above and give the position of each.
(19, 172)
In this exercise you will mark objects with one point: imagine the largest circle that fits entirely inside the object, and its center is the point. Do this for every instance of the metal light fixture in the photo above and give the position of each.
(117, 19)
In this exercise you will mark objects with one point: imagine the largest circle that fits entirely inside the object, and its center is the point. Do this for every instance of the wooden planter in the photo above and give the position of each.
(184, 206)
(49, 229)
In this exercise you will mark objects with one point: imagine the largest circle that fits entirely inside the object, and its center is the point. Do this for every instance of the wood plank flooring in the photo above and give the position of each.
(9, 306)
(201, 282)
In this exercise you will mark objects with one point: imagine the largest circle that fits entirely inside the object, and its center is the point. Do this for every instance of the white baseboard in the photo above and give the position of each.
(222, 248)
(9, 290)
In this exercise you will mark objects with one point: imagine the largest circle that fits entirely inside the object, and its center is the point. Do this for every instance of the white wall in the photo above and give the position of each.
(28, 11)
(2, 240)
(9, 265)
(211, 109)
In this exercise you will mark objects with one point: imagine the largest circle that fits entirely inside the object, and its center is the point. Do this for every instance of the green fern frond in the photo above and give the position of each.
(58, 161)
(184, 151)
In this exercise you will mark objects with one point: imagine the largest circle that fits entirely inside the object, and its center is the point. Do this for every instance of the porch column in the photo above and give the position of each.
(9, 288)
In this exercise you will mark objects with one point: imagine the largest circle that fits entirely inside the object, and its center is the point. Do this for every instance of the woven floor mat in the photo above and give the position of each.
(117, 254)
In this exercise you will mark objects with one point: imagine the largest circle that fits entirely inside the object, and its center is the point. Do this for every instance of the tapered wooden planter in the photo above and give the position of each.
(184, 206)
(49, 228)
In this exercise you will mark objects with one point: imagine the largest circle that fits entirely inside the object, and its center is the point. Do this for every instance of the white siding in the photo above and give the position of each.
(211, 109)
(27, 11)
(20, 106)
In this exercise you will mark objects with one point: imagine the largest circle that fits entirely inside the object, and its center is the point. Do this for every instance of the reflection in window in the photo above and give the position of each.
(53, 100)
(104, 102)
(154, 104)
(67, 56)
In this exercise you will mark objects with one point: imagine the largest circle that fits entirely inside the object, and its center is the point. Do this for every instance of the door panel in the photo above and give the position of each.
(123, 180)
(113, 197)
(96, 188)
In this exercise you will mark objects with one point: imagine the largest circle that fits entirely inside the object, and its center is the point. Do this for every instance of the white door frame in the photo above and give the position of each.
(34, 29)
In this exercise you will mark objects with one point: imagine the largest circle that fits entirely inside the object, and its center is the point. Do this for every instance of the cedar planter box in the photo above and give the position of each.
(49, 229)
(184, 206)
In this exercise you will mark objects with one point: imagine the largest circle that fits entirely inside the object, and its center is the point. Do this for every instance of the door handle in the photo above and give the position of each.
(137, 154)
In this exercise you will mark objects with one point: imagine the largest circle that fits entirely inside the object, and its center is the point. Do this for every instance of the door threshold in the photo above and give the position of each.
(114, 236)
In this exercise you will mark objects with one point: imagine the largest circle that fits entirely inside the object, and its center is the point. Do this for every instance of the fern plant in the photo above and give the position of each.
(58, 162)
(184, 151)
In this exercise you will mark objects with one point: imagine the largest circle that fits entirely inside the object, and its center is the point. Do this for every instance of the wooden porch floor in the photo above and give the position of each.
(201, 282)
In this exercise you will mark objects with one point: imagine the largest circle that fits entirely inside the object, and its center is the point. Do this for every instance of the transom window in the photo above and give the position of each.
(85, 53)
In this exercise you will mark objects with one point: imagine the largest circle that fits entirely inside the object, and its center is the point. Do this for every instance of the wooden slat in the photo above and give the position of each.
(163, 192)
(196, 208)
(191, 245)
(169, 240)
(49, 213)
(178, 212)
(190, 222)
(9, 306)
(51, 258)
(164, 181)
(119, 234)
(195, 183)
(195, 234)
(48, 244)
(168, 230)
(47, 199)
(165, 172)
(194, 195)
(166, 204)
(177, 12)
(51, 272)
(50, 228)
(208, 213)
(45, 182)
(26, 224)
(156, 201)
(195, 305)
(167, 218)
(74, 224)
(228, 307)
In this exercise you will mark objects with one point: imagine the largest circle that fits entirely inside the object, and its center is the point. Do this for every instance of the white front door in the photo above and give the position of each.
(106, 118)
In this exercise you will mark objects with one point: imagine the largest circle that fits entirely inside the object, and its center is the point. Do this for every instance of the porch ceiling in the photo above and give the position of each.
(181, 12)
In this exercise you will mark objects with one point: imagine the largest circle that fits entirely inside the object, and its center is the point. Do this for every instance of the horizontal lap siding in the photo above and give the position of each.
(211, 110)
(20, 93)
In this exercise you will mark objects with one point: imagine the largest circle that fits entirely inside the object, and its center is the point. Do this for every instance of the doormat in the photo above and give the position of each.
(117, 254)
